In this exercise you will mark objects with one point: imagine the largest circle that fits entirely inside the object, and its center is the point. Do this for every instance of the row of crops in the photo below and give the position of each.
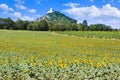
(93, 34)
(31, 55)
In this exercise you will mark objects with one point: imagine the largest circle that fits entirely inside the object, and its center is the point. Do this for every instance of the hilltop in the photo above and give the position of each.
(57, 17)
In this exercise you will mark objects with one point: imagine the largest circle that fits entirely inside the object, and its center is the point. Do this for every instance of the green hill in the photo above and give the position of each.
(57, 17)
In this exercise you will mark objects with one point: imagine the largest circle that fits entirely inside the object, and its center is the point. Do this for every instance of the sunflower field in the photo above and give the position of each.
(41, 55)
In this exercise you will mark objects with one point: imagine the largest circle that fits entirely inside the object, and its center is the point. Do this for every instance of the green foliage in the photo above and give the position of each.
(43, 25)
(26, 23)
(100, 27)
(2, 23)
(62, 27)
(85, 24)
(31, 26)
(21, 25)
(80, 27)
(93, 34)
(38, 26)
(59, 27)
(6, 23)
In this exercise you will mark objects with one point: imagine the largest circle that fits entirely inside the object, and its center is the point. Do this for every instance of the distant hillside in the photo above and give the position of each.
(57, 17)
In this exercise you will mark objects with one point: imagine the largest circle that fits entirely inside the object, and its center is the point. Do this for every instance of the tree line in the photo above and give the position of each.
(42, 25)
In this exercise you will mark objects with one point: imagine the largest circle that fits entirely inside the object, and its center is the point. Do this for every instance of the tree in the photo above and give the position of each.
(68, 26)
(21, 25)
(2, 23)
(74, 27)
(38, 26)
(6, 23)
(100, 27)
(80, 27)
(25, 24)
(44, 25)
(50, 26)
(85, 24)
(41, 25)
(9, 23)
(31, 26)
(59, 27)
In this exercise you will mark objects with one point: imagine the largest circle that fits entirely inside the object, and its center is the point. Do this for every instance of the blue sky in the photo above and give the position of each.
(94, 11)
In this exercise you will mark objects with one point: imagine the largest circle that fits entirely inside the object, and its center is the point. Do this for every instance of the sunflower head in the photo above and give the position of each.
(99, 65)
(60, 62)
(63, 66)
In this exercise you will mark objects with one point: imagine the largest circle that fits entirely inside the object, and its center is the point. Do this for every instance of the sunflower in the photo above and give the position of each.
(63, 66)
(60, 62)
(99, 65)
(32, 58)
(85, 61)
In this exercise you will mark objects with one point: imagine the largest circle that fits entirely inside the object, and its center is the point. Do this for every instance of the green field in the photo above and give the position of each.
(34, 55)
(93, 34)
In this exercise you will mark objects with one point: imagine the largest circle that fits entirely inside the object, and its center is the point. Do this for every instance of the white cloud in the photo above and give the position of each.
(107, 14)
(16, 14)
(32, 10)
(70, 4)
(19, 15)
(40, 1)
(20, 6)
(27, 18)
(5, 8)
(19, 1)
